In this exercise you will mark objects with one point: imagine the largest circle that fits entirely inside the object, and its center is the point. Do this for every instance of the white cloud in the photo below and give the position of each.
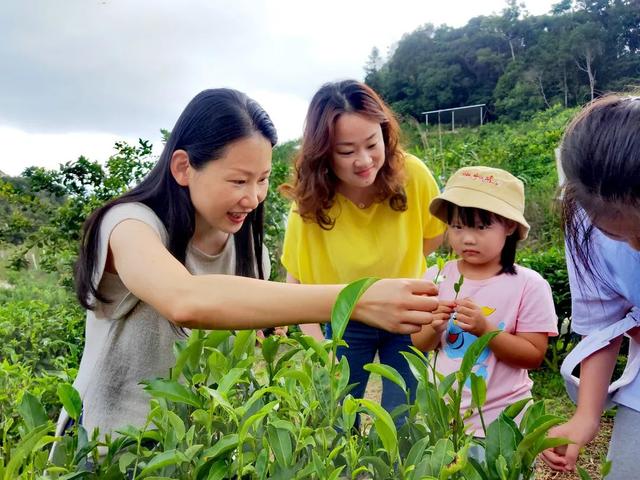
(125, 69)
(21, 149)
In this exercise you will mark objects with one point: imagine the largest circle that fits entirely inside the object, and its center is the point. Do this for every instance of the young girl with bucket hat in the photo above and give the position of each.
(483, 208)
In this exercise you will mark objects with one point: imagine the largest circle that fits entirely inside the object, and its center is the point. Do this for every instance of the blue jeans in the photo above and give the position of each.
(364, 342)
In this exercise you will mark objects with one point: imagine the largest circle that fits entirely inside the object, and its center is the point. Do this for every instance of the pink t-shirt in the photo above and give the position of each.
(512, 303)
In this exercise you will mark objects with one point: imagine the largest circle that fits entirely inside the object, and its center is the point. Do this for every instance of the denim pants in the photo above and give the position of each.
(364, 342)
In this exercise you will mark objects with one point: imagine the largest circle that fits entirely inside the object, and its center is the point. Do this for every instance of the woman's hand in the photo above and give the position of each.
(580, 429)
(398, 305)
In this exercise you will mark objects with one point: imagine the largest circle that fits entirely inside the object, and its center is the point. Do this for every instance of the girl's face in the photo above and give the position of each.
(480, 246)
(358, 151)
(227, 189)
(623, 225)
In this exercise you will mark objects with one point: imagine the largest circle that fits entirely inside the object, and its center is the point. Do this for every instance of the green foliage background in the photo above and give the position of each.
(514, 62)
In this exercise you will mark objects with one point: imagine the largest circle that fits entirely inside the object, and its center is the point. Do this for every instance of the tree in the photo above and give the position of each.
(587, 46)
(568, 56)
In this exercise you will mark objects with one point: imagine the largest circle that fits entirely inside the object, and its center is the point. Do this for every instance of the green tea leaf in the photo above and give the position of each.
(254, 419)
(501, 467)
(225, 444)
(384, 426)
(513, 410)
(342, 374)
(214, 338)
(280, 443)
(70, 399)
(349, 412)
(190, 354)
(345, 303)
(445, 385)
(417, 366)
(173, 391)
(230, 380)
(301, 377)
(501, 441)
(162, 460)
(270, 347)
(334, 475)
(126, 459)
(478, 390)
(473, 353)
(308, 342)
(387, 372)
(177, 425)
(442, 456)
(380, 467)
(458, 285)
(244, 343)
(284, 358)
(23, 449)
(417, 452)
(32, 411)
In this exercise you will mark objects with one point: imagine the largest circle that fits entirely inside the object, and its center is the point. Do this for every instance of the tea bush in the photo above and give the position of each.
(214, 417)
(42, 327)
(551, 264)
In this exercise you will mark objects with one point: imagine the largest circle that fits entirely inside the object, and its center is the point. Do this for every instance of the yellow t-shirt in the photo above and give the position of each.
(372, 242)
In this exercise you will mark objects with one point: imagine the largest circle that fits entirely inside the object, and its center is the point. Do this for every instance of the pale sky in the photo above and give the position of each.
(78, 75)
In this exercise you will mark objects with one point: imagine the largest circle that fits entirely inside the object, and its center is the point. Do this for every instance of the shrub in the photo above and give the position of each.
(551, 264)
(215, 417)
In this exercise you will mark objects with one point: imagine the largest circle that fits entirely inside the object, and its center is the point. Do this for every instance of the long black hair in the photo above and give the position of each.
(210, 122)
(600, 156)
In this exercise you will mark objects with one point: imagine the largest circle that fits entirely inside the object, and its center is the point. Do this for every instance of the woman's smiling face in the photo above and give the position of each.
(358, 151)
(227, 189)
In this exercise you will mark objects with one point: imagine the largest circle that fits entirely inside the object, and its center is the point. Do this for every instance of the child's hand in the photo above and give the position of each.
(280, 331)
(470, 318)
(580, 430)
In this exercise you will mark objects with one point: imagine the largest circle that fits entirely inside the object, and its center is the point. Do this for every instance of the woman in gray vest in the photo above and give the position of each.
(184, 249)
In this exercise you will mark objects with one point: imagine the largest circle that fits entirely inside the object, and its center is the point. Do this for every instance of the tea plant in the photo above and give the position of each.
(217, 417)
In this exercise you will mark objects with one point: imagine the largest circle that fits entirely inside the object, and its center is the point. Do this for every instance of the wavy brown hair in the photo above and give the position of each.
(314, 184)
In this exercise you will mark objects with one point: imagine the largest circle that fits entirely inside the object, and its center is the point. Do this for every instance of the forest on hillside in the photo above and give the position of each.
(514, 62)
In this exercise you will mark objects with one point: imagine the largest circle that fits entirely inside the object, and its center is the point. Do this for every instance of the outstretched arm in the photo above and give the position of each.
(312, 329)
(151, 273)
(595, 375)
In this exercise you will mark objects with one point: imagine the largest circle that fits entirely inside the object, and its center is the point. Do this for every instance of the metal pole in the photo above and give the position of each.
(453, 120)
(426, 119)
(440, 132)
(480, 116)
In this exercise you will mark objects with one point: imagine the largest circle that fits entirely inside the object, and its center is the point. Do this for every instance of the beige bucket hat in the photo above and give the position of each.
(491, 189)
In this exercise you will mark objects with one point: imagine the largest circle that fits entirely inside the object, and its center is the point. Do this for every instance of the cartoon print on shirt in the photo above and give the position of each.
(458, 341)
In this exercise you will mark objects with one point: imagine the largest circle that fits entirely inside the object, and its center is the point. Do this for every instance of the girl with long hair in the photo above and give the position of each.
(600, 155)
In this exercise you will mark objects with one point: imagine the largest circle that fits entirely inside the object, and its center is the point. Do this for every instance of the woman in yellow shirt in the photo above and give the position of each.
(361, 208)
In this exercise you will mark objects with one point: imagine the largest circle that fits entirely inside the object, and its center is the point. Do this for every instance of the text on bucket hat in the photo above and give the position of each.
(491, 189)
